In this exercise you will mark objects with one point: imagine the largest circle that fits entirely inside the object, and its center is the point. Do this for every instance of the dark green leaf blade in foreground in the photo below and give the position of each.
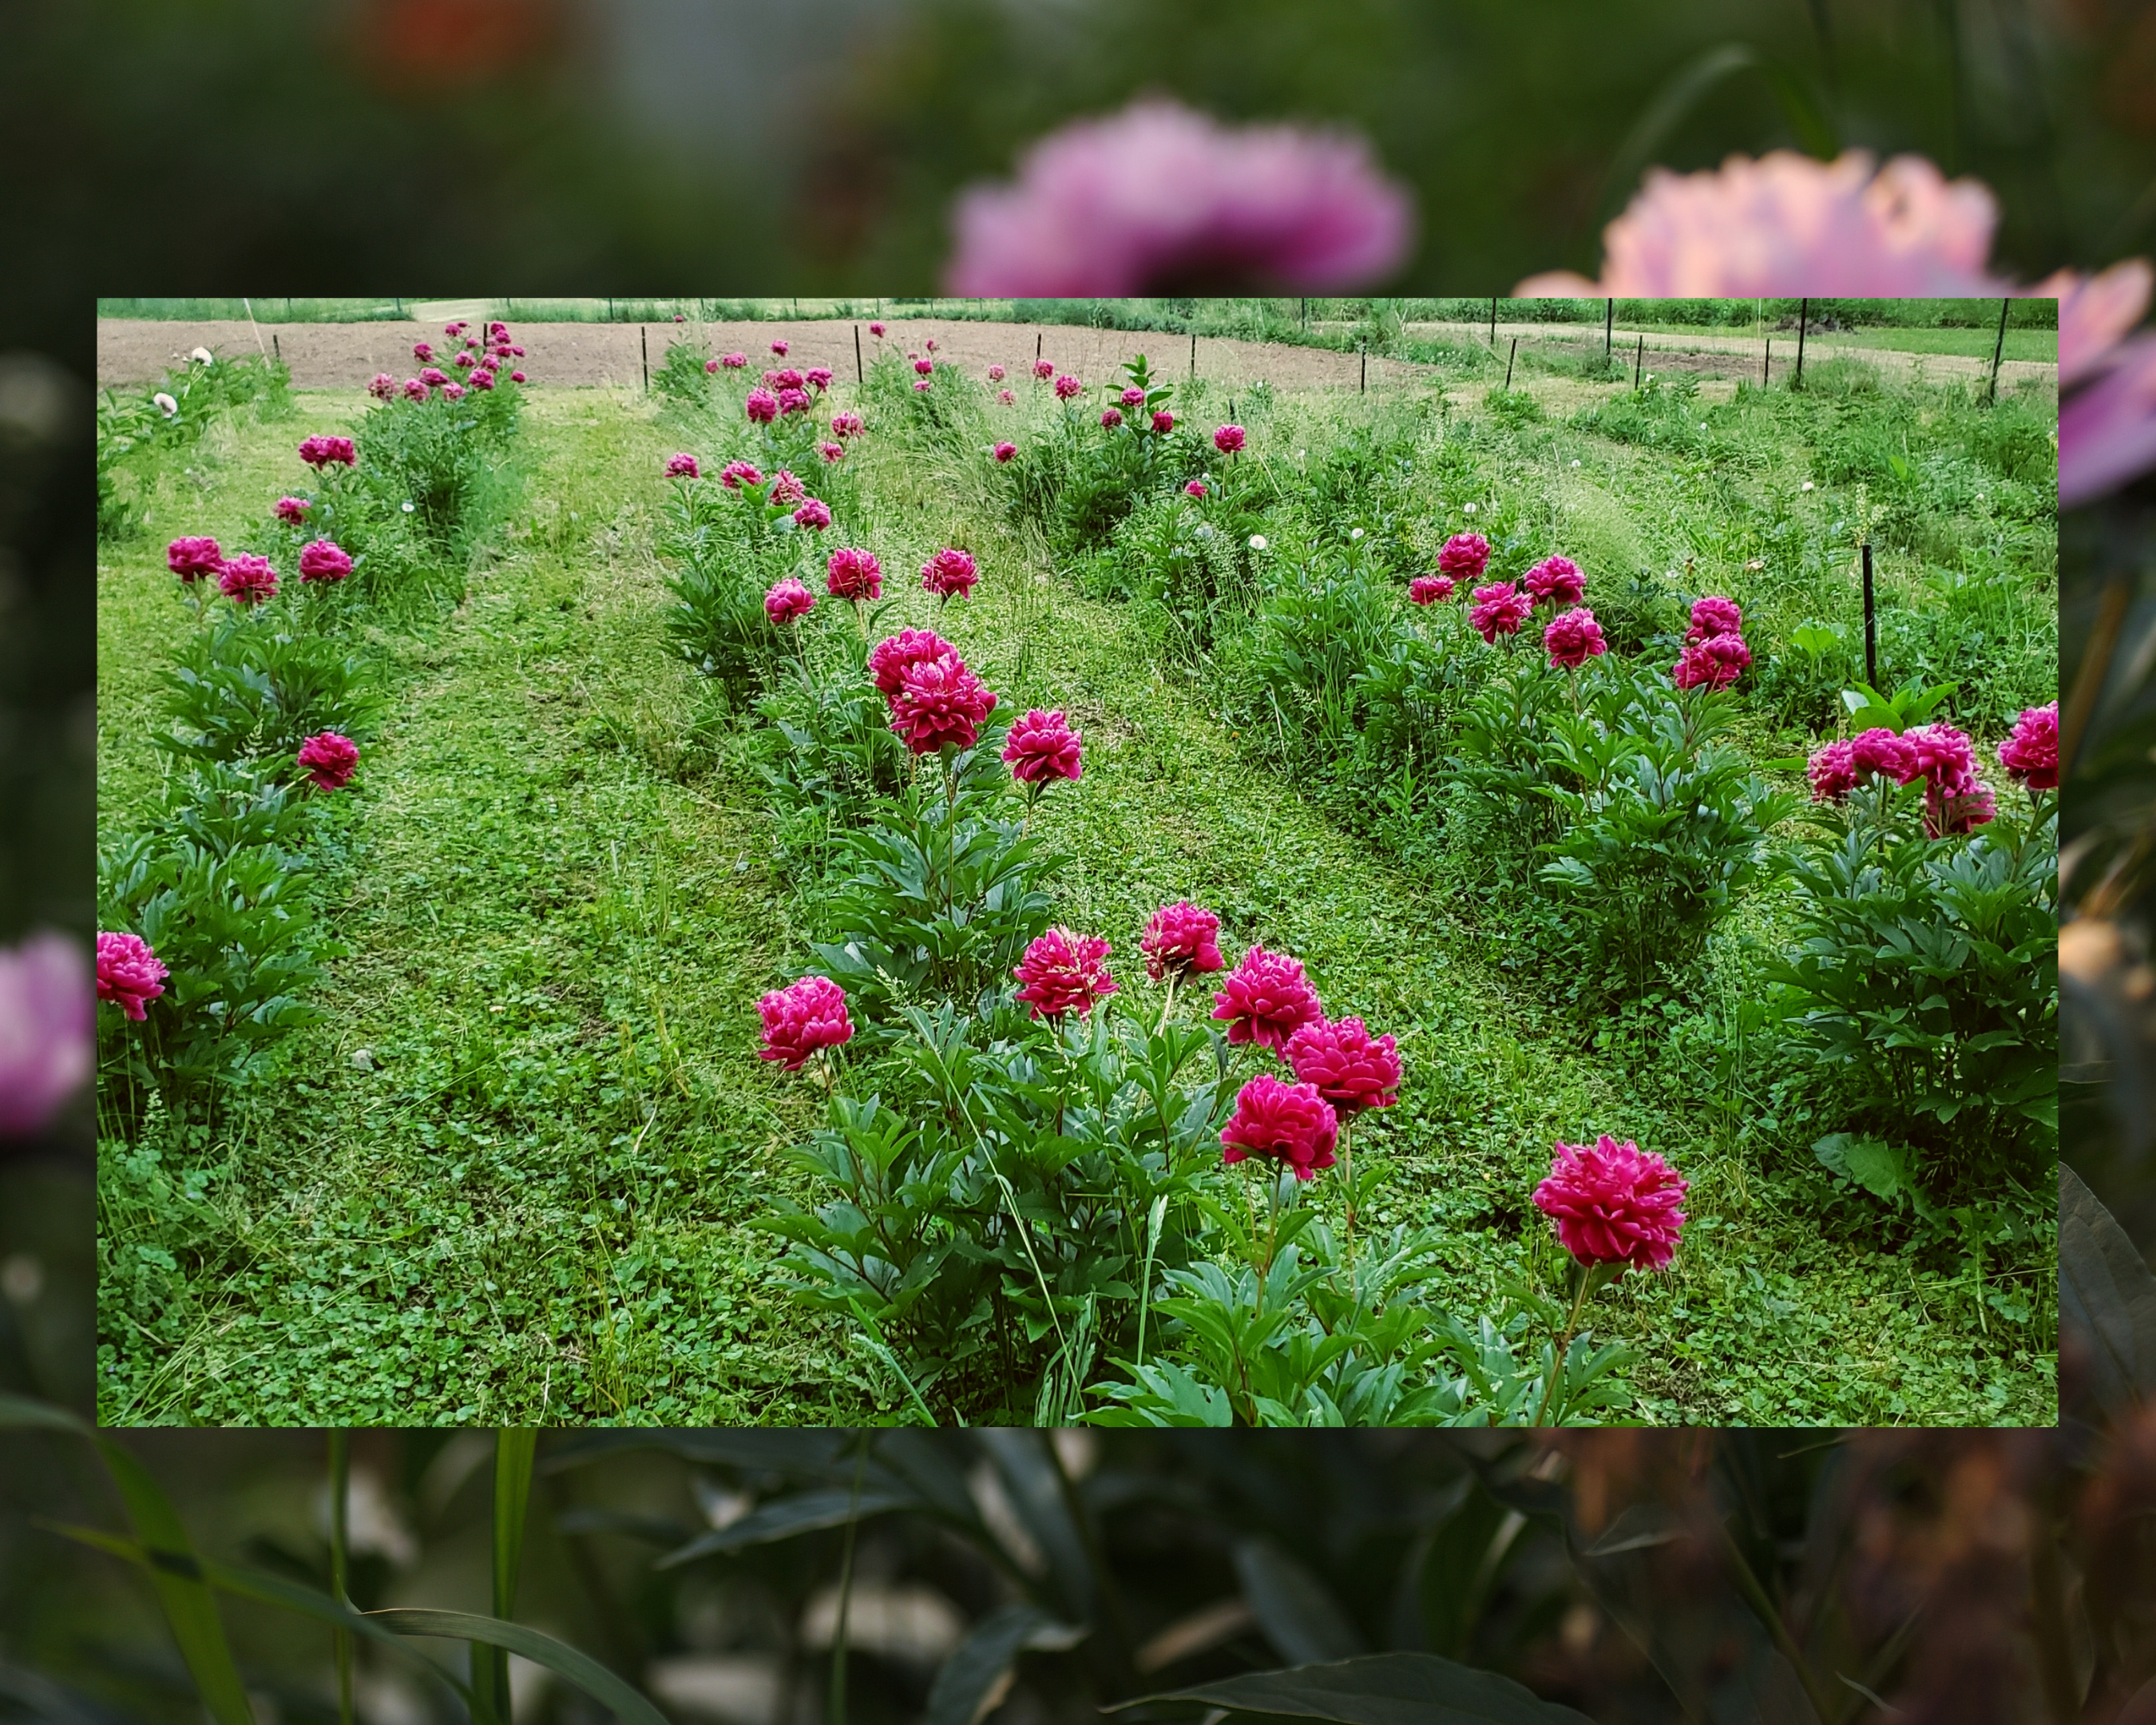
(966, 1680)
(587, 1673)
(1385, 1689)
(805, 1512)
(2107, 1296)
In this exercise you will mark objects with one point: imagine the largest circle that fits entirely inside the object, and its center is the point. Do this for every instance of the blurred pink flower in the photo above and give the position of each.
(876, 330)
(1043, 369)
(813, 515)
(1195, 488)
(1163, 422)
(1004, 451)
(192, 558)
(382, 386)
(924, 367)
(779, 348)
(920, 386)
(995, 374)
(682, 465)
(762, 405)
(844, 425)
(1832, 771)
(710, 366)
(1714, 615)
(1714, 662)
(322, 452)
(793, 400)
(733, 476)
(292, 509)
(1133, 397)
(734, 361)
(47, 1011)
(246, 579)
(1464, 557)
(1111, 417)
(1227, 439)
(1158, 196)
(1066, 387)
(1005, 397)
(1499, 609)
(1787, 225)
(516, 377)
(414, 390)
(819, 378)
(785, 488)
(453, 392)
(888, 659)
(831, 452)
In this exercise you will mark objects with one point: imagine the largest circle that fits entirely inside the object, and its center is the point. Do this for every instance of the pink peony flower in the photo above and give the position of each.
(924, 367)
(682, 464)
(1266, 999)
(734, 361)
(995, 374)
(1348, 1067)
(322, 452)
(324, 560)
(793, 400)
(1183, 938)
(798, 1020)
(246, 579)
(786, 489)
(482, 379)
(453, 330)
(423, 351)
(2095, 313)
(1111, 417)
(850, 573)
(876, 330)
(1227, 439)
(1196, 488)
(1043, 369)
(734, 475)
(1832, 771)
(940, 704)
(1942, 754)
(1428, 589)
(453, 392)
(1004, 451)
(762, 405)
(1158, 195)
(819, 378)
(516, 350)
(1714, 616)
(1005, 397)
(292, 509)
(922, 387)
(433, 377)
(382, 386)
(1555, 581)
(1613, 1204)
(48, 1026)
(128, 973)
(711, 367)
(414, 390)
(831, 452)
(1163, 422)
(845, 425)
(1499, 609)
(516, 377)
(1960, 809)
(787, 600)
(1464, 557)
(191, 558)
(463, 359)
(1133, 397)
(779, 347)
(814, 514)
(1291, 1122)
(1714, 662)
(1041, 746)
(950, 573)
(329, 759)
(1063, 972)
(1787, 225)
(2107, 428)
(932, 344)
(787, 378)
(1573, 637)
(1066, 386)
(2031, 753)
(1881, 751)
(889, 660)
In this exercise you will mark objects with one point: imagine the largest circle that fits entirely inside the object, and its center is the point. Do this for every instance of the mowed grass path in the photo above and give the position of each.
(563, 904)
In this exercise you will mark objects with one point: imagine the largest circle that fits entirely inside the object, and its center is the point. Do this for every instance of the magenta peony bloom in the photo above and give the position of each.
(793, 400)
(1788, 224)
(453, 392)
(1464, 557)
(950, 573)
(814, 514)
(733, 476)
(1227, 439)
(1063, 972)
(1133, 397)
(1942, 754)
(292, 509)
(1266, 999)
(246, 579)
(1613, 1204)
(329, 759)
(924, 367)
(2095, 313)
(932, 344)
(2031, 753)
(734, 361)
(995, 374)
(324, 560)
(762, 405)
(1555, 581)
(1043, 369)
(414, 390)
(1291, 1122)
(463, 359)
(890, 657)
(191, 558)
(1349, 1068)
(382, 386)
(1183, 938)
(482, 379)
(423, 351)
(453, 329)
(850, 573)
(1832, 772)
(1041, 746)
(1158, 195)
(1959, 810)
(1067, 386)
(48, 1025)
(711, 367)
(1882, 752)
(1573, 637)
(779, 348)
(1714, 616)
(1196, 488)
(682, 464)
(433, 377)
(1111, 417)
(876, 330)
(845, 425)
(1715, 663)
(1004, 451)
(786, 489)
(940, 704)
(1005, 397)
(787, 378)
(1428, 589)
(922, 387)
(819, 378)
(2107, 428)
(1163, 422)
(799, 1020)
(516, 377)
(128, 973)
(831, 452)
(321, 452)
(787, 600)
(1499, 609)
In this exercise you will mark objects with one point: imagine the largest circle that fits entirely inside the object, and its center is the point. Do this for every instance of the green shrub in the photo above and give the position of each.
(255, 684)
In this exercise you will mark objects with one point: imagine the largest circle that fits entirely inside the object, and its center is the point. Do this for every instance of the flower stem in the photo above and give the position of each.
(1168, 1006)
(1571, 1325)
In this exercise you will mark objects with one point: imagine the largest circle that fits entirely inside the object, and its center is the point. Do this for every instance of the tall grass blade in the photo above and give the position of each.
(581, 1669)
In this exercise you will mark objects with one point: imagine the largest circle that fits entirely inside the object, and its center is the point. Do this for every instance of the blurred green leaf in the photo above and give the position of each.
(2108, 1295)
(1383, 1689)
(968, 1682)
(581, 1669)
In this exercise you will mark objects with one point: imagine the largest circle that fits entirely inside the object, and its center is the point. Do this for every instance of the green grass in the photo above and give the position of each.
(526, 1202)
